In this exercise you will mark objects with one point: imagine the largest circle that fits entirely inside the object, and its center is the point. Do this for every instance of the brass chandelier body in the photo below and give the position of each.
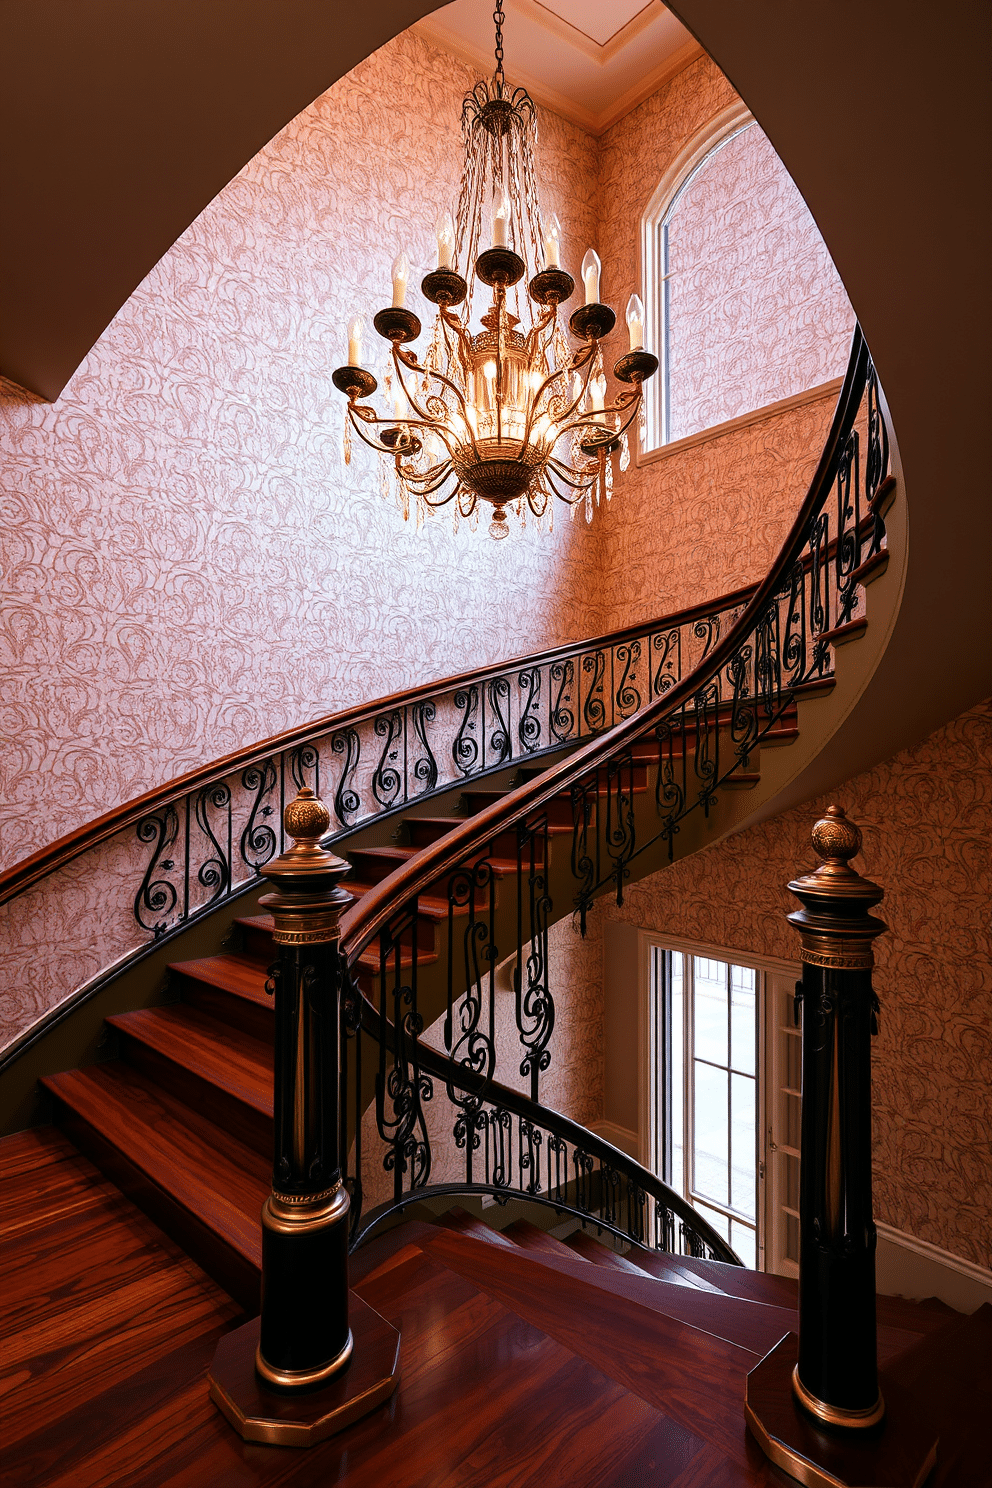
(507, 415)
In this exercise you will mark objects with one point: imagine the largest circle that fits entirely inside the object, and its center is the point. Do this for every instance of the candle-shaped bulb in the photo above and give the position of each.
(635, 322)
(597, 387)
(501, 217)
(445, 241)
(552, 243)
(591, 270)
(355, 327)
(401, 273)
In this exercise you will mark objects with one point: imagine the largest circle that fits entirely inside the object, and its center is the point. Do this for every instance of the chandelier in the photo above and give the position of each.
(511, 414)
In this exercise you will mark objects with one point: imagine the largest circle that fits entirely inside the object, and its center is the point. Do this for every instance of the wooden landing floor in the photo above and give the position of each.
(108, 1328)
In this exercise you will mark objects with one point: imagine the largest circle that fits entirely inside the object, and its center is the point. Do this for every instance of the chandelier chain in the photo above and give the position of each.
(498, 19)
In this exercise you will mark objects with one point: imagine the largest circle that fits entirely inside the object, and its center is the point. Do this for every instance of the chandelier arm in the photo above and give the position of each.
(580, 358)
(554, 468)
(449, 319)
(412, 365)
(421, 480)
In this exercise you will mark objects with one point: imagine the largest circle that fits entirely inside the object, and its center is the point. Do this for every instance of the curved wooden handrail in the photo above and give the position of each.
(441, 1067)
(369, 916)
(47, 860)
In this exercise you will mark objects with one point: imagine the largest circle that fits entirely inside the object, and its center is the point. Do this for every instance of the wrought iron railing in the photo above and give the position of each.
(154, 866)
(482, 897)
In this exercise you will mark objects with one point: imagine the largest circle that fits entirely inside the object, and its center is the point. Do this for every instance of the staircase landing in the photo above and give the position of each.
(524, 1361)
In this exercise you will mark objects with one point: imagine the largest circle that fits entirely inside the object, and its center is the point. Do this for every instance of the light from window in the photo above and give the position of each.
(751, 308)
(708, 1138)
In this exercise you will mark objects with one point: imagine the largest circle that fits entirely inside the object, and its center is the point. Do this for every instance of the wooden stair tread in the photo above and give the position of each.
(593, 1250)
(224, 1056)
(531, 1237)
(682, 1371)
(208, 1173)
(463, 1223)
(238, 974)
(501, 867)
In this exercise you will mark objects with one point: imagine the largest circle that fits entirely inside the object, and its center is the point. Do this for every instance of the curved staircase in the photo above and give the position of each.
(527, 1359)
(597, 1354)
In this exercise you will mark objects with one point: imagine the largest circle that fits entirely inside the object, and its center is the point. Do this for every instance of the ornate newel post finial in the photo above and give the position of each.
(318, 1357)
(815, 1403)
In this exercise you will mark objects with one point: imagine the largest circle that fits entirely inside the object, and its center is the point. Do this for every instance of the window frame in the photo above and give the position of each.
(717, 131)
(775, 982)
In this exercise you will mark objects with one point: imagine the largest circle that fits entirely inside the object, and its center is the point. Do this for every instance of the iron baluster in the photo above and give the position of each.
(214, 874)
(425, 766)
(387, 781)
(562, 720)
(259, 842)
(594, 710)
(627, 697)
(157, 897)
(499, 747)
(667, 646)
(347, 803)
(529, 727)
(465, 749)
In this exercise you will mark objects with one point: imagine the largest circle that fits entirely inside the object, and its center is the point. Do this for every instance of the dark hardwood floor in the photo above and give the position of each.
(529, 1364)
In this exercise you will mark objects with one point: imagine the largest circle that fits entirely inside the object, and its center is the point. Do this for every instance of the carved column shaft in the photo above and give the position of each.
(836, 1377)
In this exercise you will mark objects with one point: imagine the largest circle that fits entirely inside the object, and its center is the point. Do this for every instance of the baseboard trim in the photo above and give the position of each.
(909, 1267)
(620, 1136)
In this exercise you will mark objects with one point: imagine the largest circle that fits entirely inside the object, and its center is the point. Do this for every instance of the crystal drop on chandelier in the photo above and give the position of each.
(511, 414)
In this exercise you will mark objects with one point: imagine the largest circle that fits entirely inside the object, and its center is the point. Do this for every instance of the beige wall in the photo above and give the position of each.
(926, 816)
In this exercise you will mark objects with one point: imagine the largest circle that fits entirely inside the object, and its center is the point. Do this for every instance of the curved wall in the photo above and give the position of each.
(190, 566)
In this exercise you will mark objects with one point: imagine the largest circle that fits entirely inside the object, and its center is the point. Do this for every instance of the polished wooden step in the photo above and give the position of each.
(223, 1072)
(230, 988)
(600, 1254)
(201, 1184)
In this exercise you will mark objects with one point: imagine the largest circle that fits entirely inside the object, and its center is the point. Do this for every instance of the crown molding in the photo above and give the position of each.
(559, 103)
(542, 16)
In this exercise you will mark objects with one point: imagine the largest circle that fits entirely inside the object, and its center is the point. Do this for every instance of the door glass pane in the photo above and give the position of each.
(711, 1159)
(710, 1009)
(677, 1074)
(742, 1018)
(719, 1221)
(743, 1137)
(743, 1239)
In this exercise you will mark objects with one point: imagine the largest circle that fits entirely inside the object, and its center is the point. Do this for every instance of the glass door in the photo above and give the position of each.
(707, 1084)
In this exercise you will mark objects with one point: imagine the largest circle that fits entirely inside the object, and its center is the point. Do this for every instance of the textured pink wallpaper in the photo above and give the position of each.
(705, 520)
(926, 816)
(757, 311)
(189, 565)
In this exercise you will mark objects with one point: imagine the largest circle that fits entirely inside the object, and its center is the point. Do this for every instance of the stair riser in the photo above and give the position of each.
(236, 1117)
(231, 1270)
(237, 1012)
(258, 944)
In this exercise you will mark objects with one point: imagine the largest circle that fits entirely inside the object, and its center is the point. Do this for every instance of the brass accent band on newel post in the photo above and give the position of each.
(300, 1372)
(815, 1404)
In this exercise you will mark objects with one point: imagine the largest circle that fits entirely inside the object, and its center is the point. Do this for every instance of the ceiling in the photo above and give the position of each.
(590, 60)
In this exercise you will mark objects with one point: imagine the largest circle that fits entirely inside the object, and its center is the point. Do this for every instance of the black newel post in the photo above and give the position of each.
(815, 1404)
(836, 1378)
(305, 1337)
(300, 1372)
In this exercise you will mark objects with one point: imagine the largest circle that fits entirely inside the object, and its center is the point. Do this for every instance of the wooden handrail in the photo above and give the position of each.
(370, 915)
(47, 860)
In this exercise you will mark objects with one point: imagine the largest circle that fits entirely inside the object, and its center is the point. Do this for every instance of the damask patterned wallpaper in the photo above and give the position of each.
(708, 519)
(189, 565)
(926, 817)
(757, 311)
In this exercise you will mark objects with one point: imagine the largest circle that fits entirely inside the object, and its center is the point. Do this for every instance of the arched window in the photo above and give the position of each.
(742, 296)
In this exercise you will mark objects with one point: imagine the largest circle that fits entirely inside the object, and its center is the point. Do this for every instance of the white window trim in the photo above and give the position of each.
(731, 119)
(768, 1251)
